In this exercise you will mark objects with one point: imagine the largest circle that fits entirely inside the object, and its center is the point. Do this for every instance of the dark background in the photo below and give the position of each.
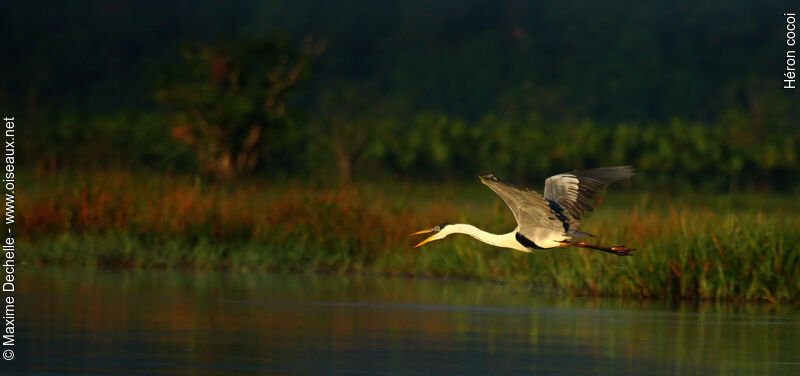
(690, 93)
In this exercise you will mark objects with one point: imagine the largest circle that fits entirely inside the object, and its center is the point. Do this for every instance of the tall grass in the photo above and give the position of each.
(730, 248)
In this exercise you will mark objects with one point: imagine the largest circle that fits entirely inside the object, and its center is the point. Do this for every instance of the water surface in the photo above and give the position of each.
(90, 321)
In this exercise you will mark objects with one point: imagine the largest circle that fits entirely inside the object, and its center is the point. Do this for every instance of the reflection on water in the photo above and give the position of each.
(87, 321)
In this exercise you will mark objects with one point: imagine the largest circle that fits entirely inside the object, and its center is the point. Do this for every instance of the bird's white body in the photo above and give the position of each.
(549, 239)
(546, 239)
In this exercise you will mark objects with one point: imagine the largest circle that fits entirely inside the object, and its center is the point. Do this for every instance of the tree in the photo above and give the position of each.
(228, 96)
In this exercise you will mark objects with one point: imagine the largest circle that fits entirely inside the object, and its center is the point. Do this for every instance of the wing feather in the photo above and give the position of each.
(575, 190)
(530, 209)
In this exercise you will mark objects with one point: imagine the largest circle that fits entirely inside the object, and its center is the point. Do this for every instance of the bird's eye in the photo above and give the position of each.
(436, 228)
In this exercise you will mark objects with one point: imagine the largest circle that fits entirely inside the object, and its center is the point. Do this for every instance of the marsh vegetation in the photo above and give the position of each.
(727, 247)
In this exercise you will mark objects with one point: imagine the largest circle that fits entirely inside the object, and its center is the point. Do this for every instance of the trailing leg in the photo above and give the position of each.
(619, 250)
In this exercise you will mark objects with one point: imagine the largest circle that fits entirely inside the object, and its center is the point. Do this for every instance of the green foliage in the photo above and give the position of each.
(347, 144)
(728, 154)
(82, 142)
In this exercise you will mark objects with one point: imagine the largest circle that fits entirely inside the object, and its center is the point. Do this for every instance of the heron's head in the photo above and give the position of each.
(439, 232)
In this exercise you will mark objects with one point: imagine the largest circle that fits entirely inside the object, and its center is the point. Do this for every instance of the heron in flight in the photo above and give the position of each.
(544, 222)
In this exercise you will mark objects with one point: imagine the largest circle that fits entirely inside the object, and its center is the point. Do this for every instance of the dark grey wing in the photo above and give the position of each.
(574, 190)
(531, 211)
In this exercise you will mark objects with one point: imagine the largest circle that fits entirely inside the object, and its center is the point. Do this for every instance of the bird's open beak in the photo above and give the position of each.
(428, 231)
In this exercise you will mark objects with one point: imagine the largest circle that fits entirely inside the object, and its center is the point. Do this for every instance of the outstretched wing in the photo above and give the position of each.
(574, 190)
(531, 211)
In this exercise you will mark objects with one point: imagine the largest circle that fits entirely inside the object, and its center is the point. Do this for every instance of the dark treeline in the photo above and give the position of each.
(689, 93)
(727, 155)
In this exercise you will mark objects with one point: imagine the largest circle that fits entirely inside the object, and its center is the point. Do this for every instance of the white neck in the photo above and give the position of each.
(505, 240)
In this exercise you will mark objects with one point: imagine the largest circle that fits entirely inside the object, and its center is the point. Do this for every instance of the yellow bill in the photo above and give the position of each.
(426, 231)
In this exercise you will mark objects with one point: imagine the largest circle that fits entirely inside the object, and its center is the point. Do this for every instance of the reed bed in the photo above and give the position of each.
(737, 248)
